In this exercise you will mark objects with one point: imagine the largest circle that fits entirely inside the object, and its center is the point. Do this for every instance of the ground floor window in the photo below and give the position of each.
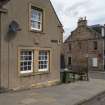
(94, 62)
(62, 61)
(26, 61)
(69, 61)
(43, 60)
(34, 60)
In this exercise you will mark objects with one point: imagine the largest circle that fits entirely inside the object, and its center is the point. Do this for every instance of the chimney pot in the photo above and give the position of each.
(103, 31)
(82, 21)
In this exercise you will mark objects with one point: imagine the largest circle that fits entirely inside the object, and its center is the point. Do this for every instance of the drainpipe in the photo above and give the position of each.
(103, 54)
(103, 36)
(104, 48)
(0, 49)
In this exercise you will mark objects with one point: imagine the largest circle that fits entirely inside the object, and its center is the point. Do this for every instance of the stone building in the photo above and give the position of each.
(86, 47)
(30, 39)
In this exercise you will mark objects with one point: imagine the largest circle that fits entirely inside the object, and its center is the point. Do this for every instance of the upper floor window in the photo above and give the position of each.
(36, 19)
(95, 45)
(79, 45)
(69, 46)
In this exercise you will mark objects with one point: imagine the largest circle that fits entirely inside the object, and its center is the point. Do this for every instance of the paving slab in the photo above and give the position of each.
(65, 94)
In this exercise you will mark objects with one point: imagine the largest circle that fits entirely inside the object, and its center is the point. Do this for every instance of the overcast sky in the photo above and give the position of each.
(69, 11)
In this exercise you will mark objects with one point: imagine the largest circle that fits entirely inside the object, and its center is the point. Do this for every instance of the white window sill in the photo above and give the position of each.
(25, 72)
(35, 29)
(43, 70)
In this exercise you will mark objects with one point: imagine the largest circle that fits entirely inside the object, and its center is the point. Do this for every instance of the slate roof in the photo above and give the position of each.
(96, 28)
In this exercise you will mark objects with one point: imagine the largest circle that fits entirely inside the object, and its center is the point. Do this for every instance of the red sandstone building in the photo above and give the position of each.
(86, 47)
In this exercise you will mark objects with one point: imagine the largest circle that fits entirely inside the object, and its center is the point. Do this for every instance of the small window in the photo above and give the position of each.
(95, 45)
(43, 60)
(36, 19)
(69, 46)
(26, 61)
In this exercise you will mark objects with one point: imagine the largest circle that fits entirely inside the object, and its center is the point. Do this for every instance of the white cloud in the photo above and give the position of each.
(70, 10)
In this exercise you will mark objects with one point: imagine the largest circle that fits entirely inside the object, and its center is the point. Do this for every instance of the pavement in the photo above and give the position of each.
(65, 94)
(97, 74)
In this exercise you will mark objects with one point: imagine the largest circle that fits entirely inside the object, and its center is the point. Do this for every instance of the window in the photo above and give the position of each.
(95, 45)
(69, 61)
(43, 60)
(79, 45)
(104, 52)
(69, 46)
(34, 60)
(26, 61)
(94, 62)
(62, 61)
(36, 19)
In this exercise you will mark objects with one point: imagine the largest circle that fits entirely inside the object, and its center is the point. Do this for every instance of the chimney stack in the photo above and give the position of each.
(82, 21)
(103, 31)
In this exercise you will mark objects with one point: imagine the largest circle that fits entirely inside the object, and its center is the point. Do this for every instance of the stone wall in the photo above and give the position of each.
(82, 50)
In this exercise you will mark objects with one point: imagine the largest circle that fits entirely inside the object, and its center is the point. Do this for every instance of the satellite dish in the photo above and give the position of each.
(14, 27)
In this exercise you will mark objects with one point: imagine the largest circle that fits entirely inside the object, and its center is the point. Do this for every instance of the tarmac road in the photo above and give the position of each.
(65, 94)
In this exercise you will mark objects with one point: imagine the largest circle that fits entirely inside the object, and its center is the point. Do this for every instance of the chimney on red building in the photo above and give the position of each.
(82, 21)
(103, 31)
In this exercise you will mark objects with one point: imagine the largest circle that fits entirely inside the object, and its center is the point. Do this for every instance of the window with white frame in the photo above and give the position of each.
(36, 19)
(26, 61)
(94, 62)
(43, 60)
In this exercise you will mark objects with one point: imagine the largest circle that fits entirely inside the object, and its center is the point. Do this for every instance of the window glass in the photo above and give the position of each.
(36, 19)
(95, 45)
(26, 61)
(43, 60)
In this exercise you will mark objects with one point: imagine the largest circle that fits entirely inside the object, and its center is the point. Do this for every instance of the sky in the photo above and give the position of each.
(69, 11)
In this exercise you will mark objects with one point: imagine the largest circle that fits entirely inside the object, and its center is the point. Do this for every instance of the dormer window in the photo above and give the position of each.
(36, 19)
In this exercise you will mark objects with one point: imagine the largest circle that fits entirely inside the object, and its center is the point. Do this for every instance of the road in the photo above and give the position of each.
(65, 94)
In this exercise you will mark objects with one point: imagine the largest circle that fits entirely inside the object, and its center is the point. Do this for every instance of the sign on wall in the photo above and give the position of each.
(94, 62)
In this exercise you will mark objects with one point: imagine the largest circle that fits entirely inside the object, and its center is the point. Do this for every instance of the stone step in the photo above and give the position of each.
(3, 90)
